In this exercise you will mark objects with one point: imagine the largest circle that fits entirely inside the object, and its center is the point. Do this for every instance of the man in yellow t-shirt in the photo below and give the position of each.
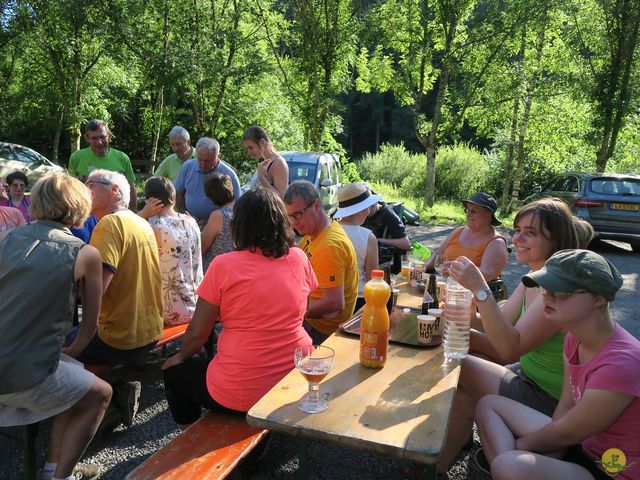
(130, 321)
(332, 257)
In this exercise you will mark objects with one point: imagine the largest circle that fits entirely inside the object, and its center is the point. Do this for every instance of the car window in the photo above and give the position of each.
(302, 171)
(335, 173)
(570, 184)
(26, 156)
(5, 152)
(324, 171)
(554, 185)
(613, 186)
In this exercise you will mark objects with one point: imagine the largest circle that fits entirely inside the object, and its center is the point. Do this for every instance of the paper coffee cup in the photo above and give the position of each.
(438, 314)
(426, 328)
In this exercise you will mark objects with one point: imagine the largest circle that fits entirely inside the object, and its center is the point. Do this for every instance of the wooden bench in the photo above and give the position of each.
(209, 449)
(30, 432)
(169, 334)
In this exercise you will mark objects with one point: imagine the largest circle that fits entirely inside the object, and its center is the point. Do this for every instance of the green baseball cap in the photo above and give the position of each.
(569, 270)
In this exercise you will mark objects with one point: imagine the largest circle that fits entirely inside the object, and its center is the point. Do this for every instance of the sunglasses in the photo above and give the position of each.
(559, 295)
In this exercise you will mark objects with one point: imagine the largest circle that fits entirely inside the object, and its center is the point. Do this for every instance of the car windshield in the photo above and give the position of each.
(616, 186)
(302, 171)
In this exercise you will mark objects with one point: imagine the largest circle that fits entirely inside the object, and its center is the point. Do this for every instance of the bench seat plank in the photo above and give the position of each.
(209, 449)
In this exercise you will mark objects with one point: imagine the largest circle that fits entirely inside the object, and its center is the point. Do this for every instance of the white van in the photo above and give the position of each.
(321, 169)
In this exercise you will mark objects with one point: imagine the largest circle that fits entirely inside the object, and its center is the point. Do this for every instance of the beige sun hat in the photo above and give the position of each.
(354, 198)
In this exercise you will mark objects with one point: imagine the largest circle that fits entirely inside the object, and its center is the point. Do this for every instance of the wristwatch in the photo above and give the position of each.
(482, 294)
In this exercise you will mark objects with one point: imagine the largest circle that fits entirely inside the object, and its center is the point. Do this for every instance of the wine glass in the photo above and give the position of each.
(314, 362)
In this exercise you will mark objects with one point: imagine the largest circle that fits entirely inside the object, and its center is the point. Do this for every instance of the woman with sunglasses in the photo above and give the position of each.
(18, 183)
(517, 334)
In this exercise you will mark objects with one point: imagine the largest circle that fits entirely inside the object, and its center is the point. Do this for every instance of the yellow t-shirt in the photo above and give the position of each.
(131, 312)
(334, 262)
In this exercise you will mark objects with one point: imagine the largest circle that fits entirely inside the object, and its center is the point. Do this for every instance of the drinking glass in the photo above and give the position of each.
(314, 362)
(441, 264)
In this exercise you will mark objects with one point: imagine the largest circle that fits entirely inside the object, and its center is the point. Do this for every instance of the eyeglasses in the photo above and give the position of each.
(298, 215)
(91, 183)
(559, 295)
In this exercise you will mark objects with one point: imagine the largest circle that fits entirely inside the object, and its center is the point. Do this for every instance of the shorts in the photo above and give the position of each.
(517, 386)
(99, 352)
(576, 455)
(58, 392)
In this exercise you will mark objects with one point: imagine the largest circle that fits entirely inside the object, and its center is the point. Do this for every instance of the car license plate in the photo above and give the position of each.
(631, 207)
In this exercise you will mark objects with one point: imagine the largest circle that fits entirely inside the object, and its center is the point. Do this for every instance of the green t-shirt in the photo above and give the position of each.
(83, 162)
(544, 365)
(171, 165)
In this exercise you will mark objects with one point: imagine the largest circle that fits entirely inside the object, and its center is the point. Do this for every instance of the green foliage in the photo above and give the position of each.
(461, 171)
(396, 166)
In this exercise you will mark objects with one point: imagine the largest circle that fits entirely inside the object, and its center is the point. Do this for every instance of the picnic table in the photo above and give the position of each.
(401, 410)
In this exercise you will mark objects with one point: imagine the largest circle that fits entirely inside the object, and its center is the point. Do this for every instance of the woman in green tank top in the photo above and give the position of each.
(517, 333)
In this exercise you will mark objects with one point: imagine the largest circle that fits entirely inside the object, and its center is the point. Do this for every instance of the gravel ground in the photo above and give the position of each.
(120, 451)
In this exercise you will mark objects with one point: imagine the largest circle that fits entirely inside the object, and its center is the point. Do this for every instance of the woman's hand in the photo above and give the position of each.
(262, 169)
(467, 274)
(153, 206)
(172, 361)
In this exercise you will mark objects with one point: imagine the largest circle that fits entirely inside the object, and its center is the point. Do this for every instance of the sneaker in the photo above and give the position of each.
(481, 461)
(127, 399)
(88, 471)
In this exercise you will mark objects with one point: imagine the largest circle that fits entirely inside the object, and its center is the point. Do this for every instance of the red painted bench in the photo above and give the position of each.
(209, 449)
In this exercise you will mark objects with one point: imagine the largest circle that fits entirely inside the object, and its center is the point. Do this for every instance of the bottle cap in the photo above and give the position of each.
(436, 312)
(377, 273)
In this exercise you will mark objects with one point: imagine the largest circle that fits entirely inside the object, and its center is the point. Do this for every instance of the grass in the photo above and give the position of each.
(447, 212)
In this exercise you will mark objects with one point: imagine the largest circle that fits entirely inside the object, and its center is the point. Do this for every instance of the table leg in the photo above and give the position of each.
(30, 434)
(431, 472)
(303, 458)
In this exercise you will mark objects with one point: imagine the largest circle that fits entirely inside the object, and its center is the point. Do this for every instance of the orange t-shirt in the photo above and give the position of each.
(262, 303)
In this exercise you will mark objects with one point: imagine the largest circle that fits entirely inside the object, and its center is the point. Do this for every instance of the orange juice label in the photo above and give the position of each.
(373, 344)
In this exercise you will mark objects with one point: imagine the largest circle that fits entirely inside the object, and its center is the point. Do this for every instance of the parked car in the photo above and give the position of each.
(321, 169)
(18, 158)
(609, 202)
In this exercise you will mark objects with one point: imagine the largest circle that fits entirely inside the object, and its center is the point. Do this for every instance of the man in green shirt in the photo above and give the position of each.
(180, 142)
(99, 156)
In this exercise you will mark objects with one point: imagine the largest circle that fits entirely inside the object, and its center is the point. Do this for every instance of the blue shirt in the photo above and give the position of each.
(190, 182)
(84, 232)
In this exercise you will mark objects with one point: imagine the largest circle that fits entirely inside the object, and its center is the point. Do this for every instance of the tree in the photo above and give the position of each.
(604, 35)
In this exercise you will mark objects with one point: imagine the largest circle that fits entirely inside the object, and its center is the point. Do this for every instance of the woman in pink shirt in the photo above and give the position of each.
(259, 293)
(595, 429)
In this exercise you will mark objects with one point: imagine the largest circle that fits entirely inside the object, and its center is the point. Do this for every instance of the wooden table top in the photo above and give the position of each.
(401, 410)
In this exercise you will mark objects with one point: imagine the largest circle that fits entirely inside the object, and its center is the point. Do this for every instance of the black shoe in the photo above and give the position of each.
(481, 461)
(127, 399)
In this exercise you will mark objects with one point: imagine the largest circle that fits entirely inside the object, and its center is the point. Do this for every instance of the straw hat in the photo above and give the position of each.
(354, 198)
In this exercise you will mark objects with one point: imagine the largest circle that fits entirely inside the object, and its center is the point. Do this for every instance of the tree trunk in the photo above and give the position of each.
(506, 183)
(615, 91)
(531, 90)
(159, 110)
(55, 151)
(432, 139)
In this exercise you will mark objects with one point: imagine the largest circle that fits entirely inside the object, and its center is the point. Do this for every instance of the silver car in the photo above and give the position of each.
(609, 202)
(15, 157)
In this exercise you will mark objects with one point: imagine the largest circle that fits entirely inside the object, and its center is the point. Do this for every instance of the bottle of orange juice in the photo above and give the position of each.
(374, 326)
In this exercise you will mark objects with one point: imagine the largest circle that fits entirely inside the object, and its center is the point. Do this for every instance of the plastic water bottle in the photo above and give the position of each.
(457, 318)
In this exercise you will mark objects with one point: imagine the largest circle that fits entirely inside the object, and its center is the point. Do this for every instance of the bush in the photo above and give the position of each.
(395, 166)
(461, 171)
